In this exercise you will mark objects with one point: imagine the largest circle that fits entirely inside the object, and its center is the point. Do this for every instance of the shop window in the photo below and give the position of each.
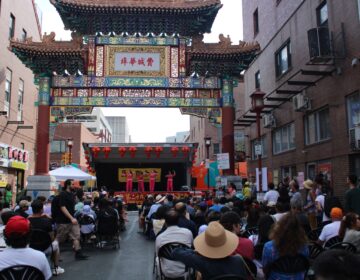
(284, 139)
(216, 148)
(322, 14)
(12, 26)
(256, 22)
(263, 146)
(353, 109)
(283, 59)
(317, 127)
(257, 80)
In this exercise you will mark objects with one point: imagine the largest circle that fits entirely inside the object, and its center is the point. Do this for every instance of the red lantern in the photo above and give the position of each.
(106, 151)
(148, 151)
(158, 151)
(86, 152)
(174, 151)
(95, 151)
(122, 151)
(132, 151)
(185, 151)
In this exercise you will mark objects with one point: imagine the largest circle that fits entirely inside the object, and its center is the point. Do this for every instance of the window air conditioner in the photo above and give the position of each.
(301, 102)
(269, 120)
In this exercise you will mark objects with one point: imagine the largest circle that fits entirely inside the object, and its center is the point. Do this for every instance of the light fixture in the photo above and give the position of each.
(257, 101)
(70, 142)
(207, 141)
(78, 73)
(66, 73)
(195, 75)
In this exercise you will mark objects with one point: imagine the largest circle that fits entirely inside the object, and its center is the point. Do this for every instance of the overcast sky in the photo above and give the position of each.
(154, 125)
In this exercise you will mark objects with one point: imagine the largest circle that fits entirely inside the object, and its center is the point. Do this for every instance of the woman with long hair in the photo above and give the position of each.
(288, 238)
(349, 229)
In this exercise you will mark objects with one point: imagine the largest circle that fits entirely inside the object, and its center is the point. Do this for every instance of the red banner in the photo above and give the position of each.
(139, 197)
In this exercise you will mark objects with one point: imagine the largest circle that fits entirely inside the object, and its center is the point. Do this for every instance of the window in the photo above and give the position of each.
(353, 110)
(284, 139)
(322, 14)
(23, 35)
(8, 81)
(12, 26)
(263, 146)
(20, 100)
(283, 59)
(317, 127)
(22, 144)
(58, 146)
(257, 80)
(256, 22)
(216, 148)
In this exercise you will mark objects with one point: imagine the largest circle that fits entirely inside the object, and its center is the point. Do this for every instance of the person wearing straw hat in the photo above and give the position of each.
(310, 206)
(159, 200)
(213, 253)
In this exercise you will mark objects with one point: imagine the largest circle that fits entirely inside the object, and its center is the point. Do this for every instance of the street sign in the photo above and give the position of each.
(258, 150)
(223, 161)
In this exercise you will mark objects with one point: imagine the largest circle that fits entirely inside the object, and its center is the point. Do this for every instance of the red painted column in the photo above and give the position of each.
(42, 129)
(228, 117)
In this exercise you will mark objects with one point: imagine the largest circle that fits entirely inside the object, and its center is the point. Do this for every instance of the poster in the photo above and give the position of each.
(146, 172)
(223, 161)
(264, 179)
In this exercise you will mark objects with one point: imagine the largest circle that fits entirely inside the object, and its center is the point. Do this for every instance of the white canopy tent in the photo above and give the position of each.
(70, 172)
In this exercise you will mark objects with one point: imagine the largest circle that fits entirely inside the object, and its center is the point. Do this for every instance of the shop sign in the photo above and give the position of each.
(223, 161)
(3, 180)
(13, 157)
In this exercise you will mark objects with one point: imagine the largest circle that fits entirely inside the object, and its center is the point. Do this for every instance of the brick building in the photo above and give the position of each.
(308, 68)
(79, 134)
(18, 94)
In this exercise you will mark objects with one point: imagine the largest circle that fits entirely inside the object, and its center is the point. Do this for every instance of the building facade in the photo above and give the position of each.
(18, 94)
(120, 129)
(180, 137)
(96, 123)
(308, 69)
(59, 149)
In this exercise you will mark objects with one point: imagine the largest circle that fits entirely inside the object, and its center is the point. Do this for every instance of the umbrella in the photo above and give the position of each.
(70, 172)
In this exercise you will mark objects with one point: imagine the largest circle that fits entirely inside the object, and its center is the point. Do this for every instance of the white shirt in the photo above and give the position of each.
(173, 269)
(321, 200)
(25, 256)
(329, 231)
(278, 216)
(153, 210)
(2, 240)
(272, 196)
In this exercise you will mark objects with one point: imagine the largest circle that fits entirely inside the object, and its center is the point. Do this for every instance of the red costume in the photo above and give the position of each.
(129, 181)
(152, 179)
(170, 180)
(140, 179)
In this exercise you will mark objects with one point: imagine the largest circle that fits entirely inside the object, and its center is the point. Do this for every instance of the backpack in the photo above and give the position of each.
(331, 202)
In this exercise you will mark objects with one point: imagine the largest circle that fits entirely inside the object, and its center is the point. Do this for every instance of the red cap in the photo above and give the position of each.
(17, 224)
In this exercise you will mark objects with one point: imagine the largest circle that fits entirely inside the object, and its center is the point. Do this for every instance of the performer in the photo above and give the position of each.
(140, 179)
(152, 179)
(129, 181)
(170, 184)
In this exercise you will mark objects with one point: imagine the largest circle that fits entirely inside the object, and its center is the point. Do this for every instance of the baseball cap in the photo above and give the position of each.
(18, 225)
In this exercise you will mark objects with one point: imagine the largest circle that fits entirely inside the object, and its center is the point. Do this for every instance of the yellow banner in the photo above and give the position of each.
(3, 180)
(136, 171)
(19, 165)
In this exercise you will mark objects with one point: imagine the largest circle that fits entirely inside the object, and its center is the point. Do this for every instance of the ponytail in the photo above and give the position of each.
(347, 223)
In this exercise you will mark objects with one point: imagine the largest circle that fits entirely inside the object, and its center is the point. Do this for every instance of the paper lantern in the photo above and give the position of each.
(106, 151)
(174, 151)
(185, 151)
(122, 151)
(148, 151)
(158, 151)
(95, 151)
(132, 151)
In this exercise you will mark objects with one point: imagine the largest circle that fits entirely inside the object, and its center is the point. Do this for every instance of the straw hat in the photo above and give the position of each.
(308, 184)
(216, 242)
(159, 198)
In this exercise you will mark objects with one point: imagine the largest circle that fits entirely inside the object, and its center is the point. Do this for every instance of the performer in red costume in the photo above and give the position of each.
(140, 179)
(152, 179)
(129, 181)
(170, 180)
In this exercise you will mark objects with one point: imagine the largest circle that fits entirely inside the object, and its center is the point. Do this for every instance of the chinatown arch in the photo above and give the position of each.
(133, 53)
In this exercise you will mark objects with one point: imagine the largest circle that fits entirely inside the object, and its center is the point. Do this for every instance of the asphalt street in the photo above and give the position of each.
(133, 261)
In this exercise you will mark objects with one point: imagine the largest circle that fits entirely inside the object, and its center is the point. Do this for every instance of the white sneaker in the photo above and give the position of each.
(58, 270)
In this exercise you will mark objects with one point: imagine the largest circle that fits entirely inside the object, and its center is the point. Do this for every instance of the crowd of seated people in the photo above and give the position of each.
(39, 227)
(275, 238)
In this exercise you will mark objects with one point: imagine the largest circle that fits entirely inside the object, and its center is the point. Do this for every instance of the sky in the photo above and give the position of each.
(150, 124)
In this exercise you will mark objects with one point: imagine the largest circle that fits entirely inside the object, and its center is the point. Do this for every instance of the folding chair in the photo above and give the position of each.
(21, 272)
